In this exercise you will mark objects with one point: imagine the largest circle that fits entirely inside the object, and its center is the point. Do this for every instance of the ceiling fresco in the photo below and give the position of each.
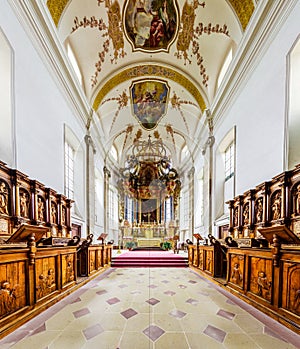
(150, 67)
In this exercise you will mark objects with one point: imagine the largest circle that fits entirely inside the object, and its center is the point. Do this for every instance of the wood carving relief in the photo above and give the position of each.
(8, 298)
(236, 275)
(259, 210)
(41, 209)
(24, 203)
(261, 276)
(68, 269)
(276, 206)
(4, 198)
(46, 283)
(246, 214)
(291, 289)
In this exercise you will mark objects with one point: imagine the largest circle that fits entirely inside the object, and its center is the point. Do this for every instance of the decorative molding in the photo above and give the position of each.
(244, 10)
(149, 70)
(56, 8)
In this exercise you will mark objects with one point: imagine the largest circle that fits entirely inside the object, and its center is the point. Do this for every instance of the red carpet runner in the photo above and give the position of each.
(150, 259)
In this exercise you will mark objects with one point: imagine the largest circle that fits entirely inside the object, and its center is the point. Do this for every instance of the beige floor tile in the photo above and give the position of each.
(248, 323)
(199, 341)
(113, 322)
(68, 339)
(138, 322)
(135, 340)
(238, 341)
(167, 322)
(38, 341)
(105, 340)
(194, 323)
(171, 341)
(267, 342)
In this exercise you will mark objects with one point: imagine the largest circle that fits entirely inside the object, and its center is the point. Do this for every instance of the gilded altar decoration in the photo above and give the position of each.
(4, 198)
(24, 203)
(151, 25)
(149, 101)
(46, 283)
(8, 298)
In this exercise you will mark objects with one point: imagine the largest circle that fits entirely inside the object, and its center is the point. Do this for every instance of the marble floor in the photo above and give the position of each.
(151, 308)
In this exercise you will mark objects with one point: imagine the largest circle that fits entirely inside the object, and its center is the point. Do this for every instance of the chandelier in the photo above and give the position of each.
(148, 169)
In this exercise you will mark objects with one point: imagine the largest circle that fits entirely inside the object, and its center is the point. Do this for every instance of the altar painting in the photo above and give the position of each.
(151, 24)
(149, 102)
(149, 211)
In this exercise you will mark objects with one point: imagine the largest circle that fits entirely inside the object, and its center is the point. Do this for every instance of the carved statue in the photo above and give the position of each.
(53, 213)
(3, 198)
(41, 210)
(24, 205)
(298, 199)
(235, 217)
(276, 207)
(259, 210)
(63, 215)
(246, 214)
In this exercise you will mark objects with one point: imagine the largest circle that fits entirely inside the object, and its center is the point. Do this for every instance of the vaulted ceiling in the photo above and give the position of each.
(150, 67)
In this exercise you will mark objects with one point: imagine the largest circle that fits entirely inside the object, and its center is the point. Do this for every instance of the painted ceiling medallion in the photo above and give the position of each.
(151, 25)
(149, 101)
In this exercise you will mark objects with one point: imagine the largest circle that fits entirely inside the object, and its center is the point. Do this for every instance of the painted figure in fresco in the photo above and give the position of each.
(151, 24)
(24, 211)
(3, 198)
(276, 207)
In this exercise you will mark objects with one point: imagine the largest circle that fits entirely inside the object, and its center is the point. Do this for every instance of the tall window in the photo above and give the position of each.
(69, 171)
(229, 162)
(168, 209)
(113, 208)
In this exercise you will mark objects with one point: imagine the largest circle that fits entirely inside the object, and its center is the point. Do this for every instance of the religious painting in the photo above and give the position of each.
(149, 211)
(151, 25)
(149, 101)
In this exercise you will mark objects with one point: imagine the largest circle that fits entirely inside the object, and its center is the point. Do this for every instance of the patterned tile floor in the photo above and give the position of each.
(151, 308)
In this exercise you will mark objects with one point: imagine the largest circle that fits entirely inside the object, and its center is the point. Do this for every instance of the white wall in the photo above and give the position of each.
(259, 112)
(40, 109)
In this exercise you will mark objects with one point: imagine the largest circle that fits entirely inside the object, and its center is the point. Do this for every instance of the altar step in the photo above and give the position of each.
(149, 261)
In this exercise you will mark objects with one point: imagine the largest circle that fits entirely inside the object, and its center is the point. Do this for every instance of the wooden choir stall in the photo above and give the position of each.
(38, 256)
(259, 259)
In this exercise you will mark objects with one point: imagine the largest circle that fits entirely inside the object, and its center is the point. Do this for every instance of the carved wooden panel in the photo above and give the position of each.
(99, 258)
(261, 277)
(45, 276)
(209, 261)
(92, 260)
(195, 258)
(12, 287)
(201, 254)
(68, 268)
(291, 287)
(237, 270)
(191, 254)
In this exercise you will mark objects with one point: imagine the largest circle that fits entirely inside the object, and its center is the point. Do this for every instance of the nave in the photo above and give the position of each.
(151, 308)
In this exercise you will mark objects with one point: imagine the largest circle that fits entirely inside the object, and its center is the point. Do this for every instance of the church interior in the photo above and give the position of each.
(149, 174)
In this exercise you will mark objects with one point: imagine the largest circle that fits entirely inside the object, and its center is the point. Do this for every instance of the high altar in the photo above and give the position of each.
(149, 190)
